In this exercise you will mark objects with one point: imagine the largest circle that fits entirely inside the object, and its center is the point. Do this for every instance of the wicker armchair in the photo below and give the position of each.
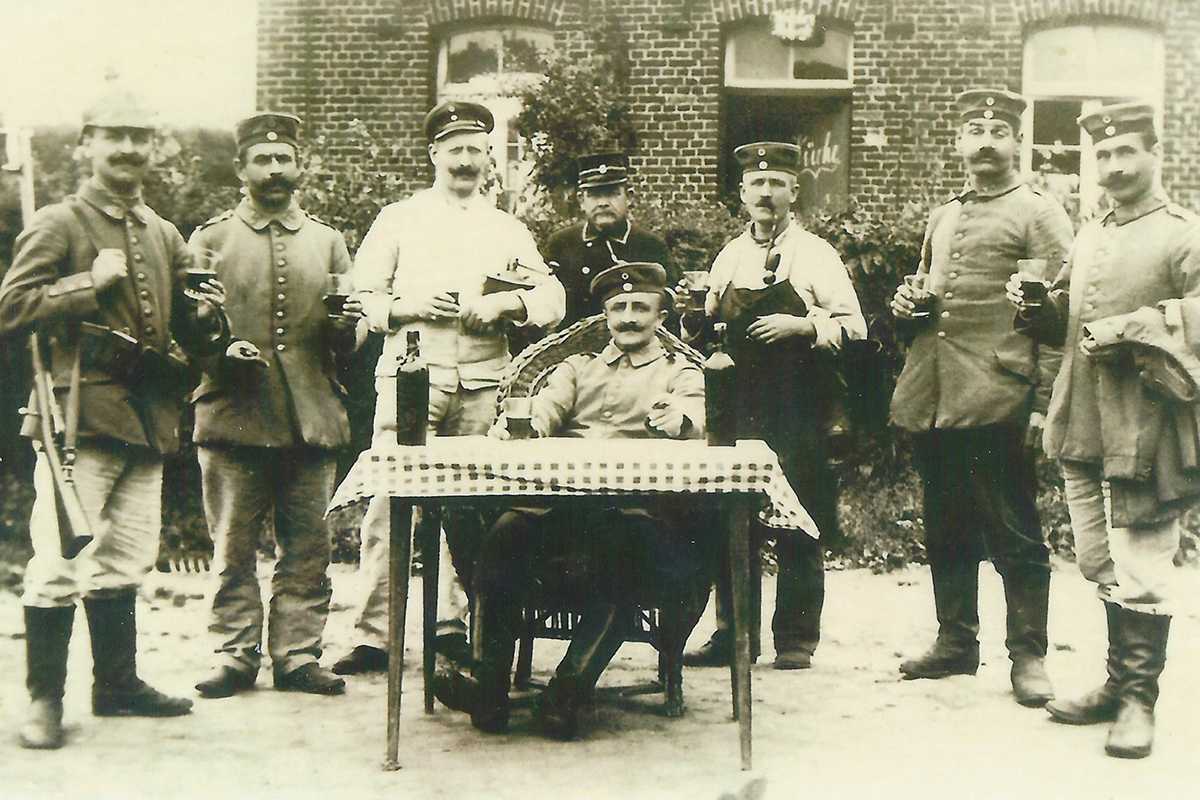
(554, 614)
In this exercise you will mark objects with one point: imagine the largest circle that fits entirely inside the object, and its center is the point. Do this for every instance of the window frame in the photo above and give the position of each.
(1090, 94)
(811, 85)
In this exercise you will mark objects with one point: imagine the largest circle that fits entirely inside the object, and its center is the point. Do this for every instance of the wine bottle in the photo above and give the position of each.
(412, 394)
(720, 393)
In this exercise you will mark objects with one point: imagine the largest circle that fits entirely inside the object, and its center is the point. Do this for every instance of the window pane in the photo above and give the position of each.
(1054, 122)
(757, 55)
(829, 60)
(1059, 54)
(523, 49)
(472, 55)
(1127, 55)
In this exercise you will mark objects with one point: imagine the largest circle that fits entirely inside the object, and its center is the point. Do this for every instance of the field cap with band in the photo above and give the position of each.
(761, 156)
(1119, 118)
(626, 277)
(990, 104)
(267, 127)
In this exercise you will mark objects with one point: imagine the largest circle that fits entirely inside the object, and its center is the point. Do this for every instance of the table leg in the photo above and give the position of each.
(431, 541)
(739, 565)
(400, 519)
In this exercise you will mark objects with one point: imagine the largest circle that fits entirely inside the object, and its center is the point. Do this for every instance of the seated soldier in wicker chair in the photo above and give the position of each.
(632, 388)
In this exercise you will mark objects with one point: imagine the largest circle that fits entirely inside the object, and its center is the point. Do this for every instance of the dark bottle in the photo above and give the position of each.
(720, 393)
(412, 394)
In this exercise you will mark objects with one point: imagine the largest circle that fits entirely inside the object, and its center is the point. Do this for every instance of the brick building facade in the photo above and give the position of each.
(867, 91)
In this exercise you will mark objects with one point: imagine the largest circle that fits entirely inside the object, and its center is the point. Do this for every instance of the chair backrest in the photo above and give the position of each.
(527, 373)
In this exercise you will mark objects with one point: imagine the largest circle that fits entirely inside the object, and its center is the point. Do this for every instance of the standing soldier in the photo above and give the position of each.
(580, 252)
(973, 394)
(422, 267)
(99, 277)
(267, 429)
(1126, 443)
(790, 306)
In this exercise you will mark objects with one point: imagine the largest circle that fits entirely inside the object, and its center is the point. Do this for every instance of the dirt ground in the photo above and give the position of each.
(846, 728)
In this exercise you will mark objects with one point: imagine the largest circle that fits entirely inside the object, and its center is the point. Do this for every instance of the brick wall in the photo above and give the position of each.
(336, 60)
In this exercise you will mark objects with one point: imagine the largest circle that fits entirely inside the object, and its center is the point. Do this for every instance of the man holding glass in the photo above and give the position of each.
(99, 279)
(973, 394)
(447, 264)
(269, 415)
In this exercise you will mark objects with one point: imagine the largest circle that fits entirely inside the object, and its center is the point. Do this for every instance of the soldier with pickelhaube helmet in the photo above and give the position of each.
(606, 236)
(99, 277)
(1126, 442)
(790, 307)
(270, 418)
(973, 394)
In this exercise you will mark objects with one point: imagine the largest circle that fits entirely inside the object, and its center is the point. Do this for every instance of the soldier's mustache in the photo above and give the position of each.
(464, 172)
(628, 327)
(130, 159)
(985, 153)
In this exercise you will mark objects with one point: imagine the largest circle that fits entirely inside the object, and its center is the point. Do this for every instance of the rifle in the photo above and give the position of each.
(56, 439)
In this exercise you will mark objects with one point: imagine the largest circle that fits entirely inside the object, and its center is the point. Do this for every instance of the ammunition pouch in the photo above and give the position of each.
(124, 359)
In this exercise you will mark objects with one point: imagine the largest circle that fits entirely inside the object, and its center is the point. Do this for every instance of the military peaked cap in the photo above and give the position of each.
(457, 116)
(602, 169)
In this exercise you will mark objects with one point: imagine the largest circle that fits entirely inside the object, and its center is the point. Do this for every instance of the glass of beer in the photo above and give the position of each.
(697, 286)
(923, 298)
(203, 268)
(1033, 281)
(518, 412)
(337, 292)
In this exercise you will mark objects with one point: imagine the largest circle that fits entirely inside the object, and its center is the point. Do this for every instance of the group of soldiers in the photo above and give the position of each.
(978, 393)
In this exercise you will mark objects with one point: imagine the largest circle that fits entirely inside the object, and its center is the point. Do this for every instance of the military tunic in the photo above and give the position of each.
(267, 434)
(126, 423)
(274, 270)
(970, 382)
(578, 253)
(1125, 523)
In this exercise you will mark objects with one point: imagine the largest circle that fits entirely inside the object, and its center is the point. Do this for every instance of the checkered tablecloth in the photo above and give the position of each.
(476, 466)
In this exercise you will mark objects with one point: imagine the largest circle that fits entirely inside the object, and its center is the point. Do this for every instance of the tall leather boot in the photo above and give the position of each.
(956, 600)
(1144, 655)
(117, 690)
(1027, 597)
(1101, 703)
(47, 635)
(596, 640)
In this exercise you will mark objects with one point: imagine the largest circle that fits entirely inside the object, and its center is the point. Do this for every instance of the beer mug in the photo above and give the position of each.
(337, 292)
(923, 298)
(203, 268)
(518, 413)
(1033, 281)
(697, 287)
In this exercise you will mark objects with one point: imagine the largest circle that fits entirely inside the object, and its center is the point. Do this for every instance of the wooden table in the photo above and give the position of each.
(466, 470)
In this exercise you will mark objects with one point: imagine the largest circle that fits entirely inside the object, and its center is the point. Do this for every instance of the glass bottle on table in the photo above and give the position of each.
(720, 393)
(412, 394)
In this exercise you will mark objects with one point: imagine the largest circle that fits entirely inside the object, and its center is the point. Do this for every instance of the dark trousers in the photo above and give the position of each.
(980, 491)
(601, 562)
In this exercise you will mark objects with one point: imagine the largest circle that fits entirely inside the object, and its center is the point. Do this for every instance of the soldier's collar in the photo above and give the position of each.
(789, 224)
(591, 234)
(639, 358)
(968, 192)
(114, 205)
(1123, 214)
(291, 217)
